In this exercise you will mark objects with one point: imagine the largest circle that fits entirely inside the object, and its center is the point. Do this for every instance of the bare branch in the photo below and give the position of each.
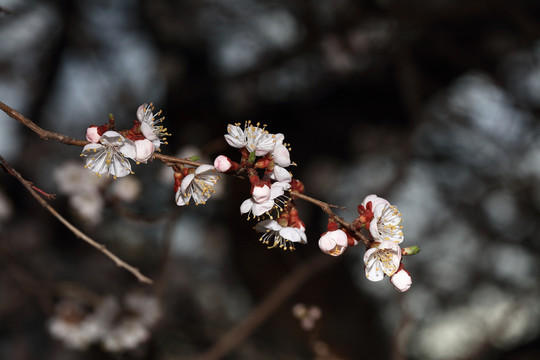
(30, 187)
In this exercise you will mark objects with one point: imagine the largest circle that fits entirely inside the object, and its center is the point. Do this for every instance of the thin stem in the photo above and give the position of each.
(327, 208)
(30, 187)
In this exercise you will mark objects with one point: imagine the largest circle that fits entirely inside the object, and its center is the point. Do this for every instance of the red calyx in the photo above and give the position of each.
(366, 214)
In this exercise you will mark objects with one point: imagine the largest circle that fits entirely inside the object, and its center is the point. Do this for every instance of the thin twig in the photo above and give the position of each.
(290, 283)
(29, 186)
(333, 216)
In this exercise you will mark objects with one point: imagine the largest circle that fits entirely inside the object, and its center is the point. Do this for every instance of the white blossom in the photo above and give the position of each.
(382, 259)
(276, 199)
(386, 222)
(253, 138)
(277, 235)
(198, 186)
(109, 156)
(149, 125)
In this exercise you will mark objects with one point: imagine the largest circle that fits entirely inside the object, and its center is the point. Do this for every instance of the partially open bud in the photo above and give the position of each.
(261, 193)
(401, 280)
(333, 242)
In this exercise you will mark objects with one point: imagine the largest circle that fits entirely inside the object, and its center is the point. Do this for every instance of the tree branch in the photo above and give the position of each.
(30, 187)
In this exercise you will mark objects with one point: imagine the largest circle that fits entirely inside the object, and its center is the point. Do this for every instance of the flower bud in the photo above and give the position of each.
(401, 280)
(333, 242)
(410, 250)
(261, 193)
(92, 134)
(222, 163)
(144, 150)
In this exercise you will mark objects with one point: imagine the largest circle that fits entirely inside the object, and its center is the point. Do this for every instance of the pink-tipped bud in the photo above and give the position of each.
(92, 134)
(222, 163)
(401, 280)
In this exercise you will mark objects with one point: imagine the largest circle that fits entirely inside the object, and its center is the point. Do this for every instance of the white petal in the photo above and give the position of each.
(140, 112)
(263, 226)
(246, 206)
(186, 182)
(281, 175)
(182, 199)
(259, 209)
(205, 169)
(128, 149)
(89, 148)
(148, 132)
(291, 234)
(281, 155)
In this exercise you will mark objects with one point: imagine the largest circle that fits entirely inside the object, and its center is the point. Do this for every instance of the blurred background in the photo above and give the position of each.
(432, 104)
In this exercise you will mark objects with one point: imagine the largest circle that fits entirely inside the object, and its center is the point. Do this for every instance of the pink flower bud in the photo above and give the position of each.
(144, 149)
(261, 193)
(222, 163)
(92, 134)
(401, 280)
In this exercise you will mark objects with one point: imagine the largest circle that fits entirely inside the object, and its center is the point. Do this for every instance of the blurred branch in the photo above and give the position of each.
(30, 187)
(262, 312)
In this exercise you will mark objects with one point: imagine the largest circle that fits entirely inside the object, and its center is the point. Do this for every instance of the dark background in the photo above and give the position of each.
(431, 104)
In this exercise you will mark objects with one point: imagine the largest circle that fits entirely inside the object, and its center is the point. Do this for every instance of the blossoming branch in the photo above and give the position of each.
(265, 162)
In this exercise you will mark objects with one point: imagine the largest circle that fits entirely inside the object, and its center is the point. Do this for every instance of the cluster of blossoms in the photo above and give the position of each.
(264, 161)
(109, 151)
(115, 327)
(384, 254)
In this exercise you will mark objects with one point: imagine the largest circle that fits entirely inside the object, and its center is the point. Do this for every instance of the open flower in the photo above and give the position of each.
(199, 186)
(149, 125)
(386, 222)
(283, 237)
(276, 199)
(382, 259)
(109, 156)
(333, 242)
(253, 138)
